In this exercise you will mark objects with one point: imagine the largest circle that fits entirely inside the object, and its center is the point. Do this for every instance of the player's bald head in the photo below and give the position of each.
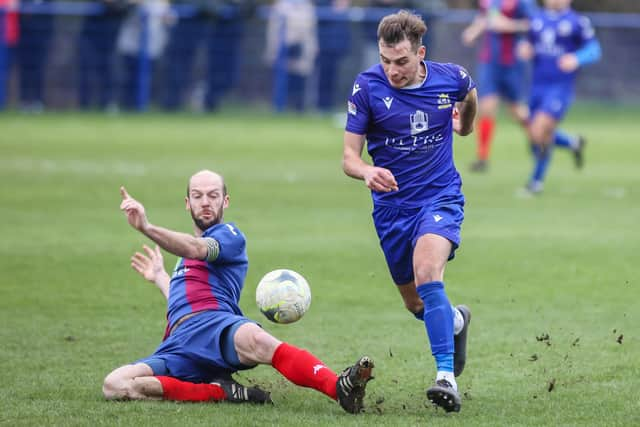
(207, 178)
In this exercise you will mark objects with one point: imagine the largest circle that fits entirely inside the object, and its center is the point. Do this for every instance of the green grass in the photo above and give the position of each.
(564, 264)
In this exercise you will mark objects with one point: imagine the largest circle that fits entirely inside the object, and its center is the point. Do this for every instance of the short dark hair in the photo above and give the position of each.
(402, 25)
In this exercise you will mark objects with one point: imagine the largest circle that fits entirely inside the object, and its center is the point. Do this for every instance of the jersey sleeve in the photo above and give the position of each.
(464, 81)
(230, 241)
(358, 111)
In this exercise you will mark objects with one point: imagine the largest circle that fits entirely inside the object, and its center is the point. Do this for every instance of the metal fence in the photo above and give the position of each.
(221, 61)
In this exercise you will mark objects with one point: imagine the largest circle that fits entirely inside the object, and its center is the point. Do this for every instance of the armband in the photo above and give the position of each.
(213, 249)
(589, 53)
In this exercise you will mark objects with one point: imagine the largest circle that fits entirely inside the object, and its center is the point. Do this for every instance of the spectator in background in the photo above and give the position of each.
(142, 39)
(292, 46)
(218, 25)
(36, 31)
(334, 42)
(96, 49)
(8, 43)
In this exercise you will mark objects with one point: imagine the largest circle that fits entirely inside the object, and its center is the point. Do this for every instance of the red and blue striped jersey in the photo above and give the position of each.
(500, 48)
(198, 285)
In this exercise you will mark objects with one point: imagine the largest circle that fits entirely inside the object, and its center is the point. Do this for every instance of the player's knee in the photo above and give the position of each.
(428, 273)
(264, 345)
(254, 345)
(115, 387)
(110, 389)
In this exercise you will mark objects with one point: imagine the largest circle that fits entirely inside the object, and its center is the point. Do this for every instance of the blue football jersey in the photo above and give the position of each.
(409, 131)
(198, 285)
(554, 34)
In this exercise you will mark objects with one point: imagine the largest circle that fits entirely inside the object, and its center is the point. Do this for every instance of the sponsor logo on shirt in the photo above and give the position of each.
(356, 89)
(387, 101)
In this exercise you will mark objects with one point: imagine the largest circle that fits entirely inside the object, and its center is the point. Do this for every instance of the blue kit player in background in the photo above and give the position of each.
(406, 110)
(560, 41)
(207, 337)
(500, 24)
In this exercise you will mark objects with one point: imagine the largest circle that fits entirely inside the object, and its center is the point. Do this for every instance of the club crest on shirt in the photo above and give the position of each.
(444, 101)
(419, 122)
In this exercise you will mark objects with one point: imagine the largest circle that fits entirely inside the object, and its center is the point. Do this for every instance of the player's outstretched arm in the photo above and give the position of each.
(465, 113)
(151, 268)
(500, 23)
(179, 244)
(376, 179)
(474, 30)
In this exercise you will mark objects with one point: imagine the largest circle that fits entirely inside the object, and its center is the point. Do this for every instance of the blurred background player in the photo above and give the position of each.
(500, 72)
(406, 110)
(207, 336)
(560, 41)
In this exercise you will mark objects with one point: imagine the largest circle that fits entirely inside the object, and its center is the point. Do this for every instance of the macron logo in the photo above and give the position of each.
(356, 89)
(387, 101)
(437, 218)
(316, 368)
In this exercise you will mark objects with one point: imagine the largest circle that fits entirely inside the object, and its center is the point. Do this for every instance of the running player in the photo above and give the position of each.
(406, 110)
(560, 42)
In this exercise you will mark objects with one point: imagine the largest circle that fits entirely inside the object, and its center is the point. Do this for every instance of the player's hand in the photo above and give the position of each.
(568, 63)
(469, 36)
(498, 23)
(380, 179)
(149, 266)
(525, 51)
(455, 120)
(134, 211)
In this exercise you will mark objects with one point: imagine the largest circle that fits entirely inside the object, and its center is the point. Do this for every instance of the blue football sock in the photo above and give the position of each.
(542, 159)
(564, 140)
(438, 320)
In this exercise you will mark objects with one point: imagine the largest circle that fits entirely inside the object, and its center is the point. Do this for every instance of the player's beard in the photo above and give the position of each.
(204, 225)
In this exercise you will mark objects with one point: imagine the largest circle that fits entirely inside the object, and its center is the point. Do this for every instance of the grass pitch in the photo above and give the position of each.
(553, 281)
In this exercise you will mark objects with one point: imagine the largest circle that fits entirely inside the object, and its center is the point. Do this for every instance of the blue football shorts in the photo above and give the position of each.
(201, 349)
(554, 100)
(400, 228)
(506, 81)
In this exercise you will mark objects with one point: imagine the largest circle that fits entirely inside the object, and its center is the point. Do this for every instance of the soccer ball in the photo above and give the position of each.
(283, 296)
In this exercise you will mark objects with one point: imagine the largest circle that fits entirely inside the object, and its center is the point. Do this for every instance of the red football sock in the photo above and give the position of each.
(485, 135)
(174, 389)
(304, 369)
